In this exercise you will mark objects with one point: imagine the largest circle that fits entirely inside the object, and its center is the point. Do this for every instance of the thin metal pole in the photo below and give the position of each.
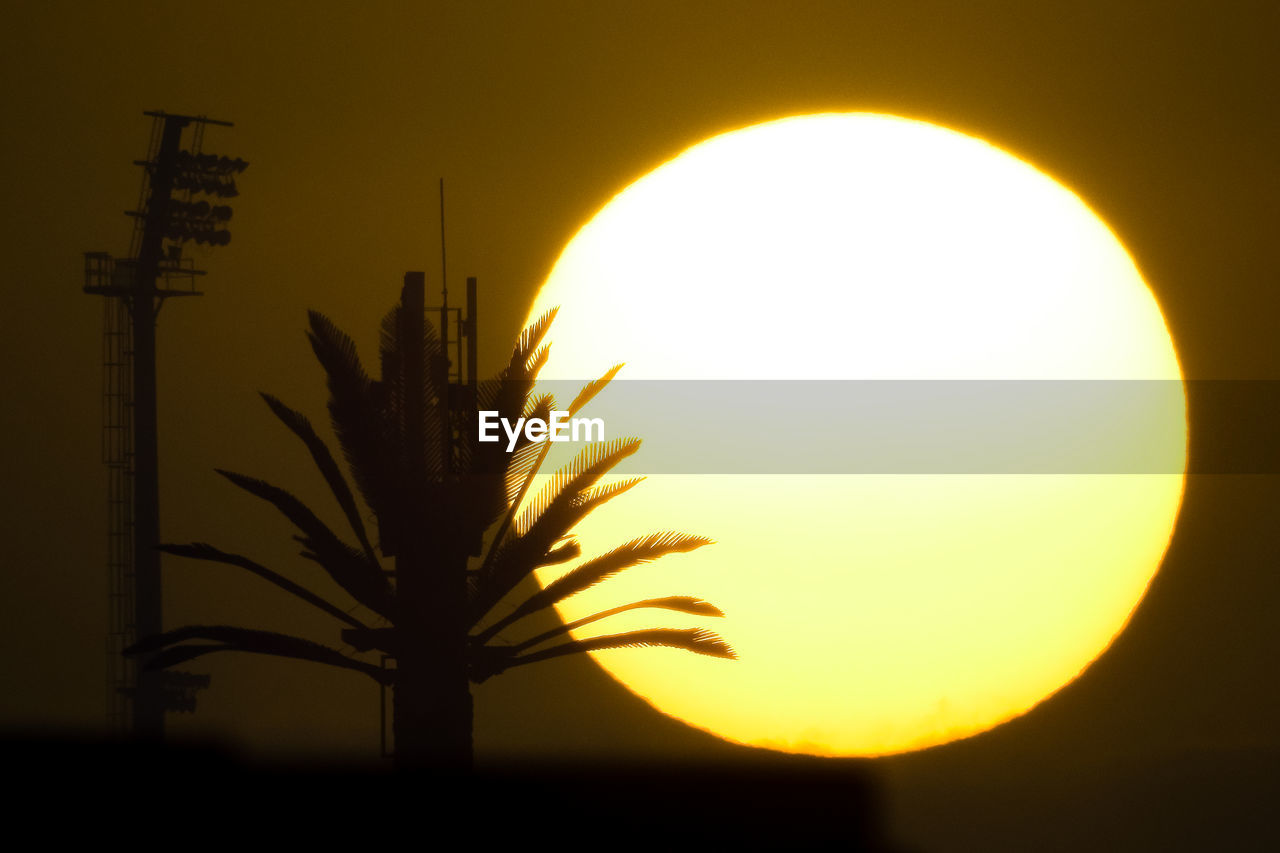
(471, 327)
(444, 268)
(444, 310)
(148, 703)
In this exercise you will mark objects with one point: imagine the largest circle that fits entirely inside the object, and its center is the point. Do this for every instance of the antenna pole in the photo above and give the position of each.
(444, 269)
(444, 292)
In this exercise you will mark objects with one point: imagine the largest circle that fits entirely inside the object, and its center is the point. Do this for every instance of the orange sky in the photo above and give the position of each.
(1164, 117)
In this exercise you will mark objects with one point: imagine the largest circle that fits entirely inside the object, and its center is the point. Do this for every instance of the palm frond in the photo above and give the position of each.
(553, 513)
(301, 427)
(176, 655)
(355, 410)
(496, 473)
(337, 352)
(530, 339)
(170, 651)
(520, 476)
(592, 498)
(575, 478)
(537, 361)
(633, 553)
(524, 462)
(349, 568)
(570, 550)
(395, 362)
(508, 394)
(601, 568)
(358, 574)
(697, 640)
(678, 603)
(520, 473)
(390, 356)
(202, 551)
(390, 389)
(539, 407)
(591, 389)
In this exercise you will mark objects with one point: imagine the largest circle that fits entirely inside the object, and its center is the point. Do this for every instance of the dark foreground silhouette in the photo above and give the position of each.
(787, 803)
(451, 511)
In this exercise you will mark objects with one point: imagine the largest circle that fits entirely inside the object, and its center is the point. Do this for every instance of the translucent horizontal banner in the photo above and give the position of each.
(923, 427)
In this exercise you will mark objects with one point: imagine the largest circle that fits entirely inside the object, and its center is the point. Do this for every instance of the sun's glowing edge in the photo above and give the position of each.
(940, 735)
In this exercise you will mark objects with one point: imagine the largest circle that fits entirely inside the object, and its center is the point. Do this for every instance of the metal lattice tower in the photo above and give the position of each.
(117, 455)
(172, 211)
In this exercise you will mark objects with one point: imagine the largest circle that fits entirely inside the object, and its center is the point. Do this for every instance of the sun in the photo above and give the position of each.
(872, 612)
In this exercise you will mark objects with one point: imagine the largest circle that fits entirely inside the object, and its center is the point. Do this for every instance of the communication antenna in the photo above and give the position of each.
(444, 268)
(444, 318)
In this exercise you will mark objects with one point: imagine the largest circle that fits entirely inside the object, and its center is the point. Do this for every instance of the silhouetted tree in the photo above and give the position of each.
(439, 495)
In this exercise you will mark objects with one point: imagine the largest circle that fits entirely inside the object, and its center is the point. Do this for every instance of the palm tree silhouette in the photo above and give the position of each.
(438, 495)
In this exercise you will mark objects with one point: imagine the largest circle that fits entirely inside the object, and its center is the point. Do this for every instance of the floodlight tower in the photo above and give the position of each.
(174, 210)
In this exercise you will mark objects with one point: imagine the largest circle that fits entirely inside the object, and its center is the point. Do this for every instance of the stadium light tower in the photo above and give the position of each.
(181, 202)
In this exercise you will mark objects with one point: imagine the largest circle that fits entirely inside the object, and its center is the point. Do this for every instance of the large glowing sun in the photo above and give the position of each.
(872, 613)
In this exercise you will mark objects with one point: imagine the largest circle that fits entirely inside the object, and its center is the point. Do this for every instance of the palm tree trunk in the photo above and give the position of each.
(432, 700)
(433, 717)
